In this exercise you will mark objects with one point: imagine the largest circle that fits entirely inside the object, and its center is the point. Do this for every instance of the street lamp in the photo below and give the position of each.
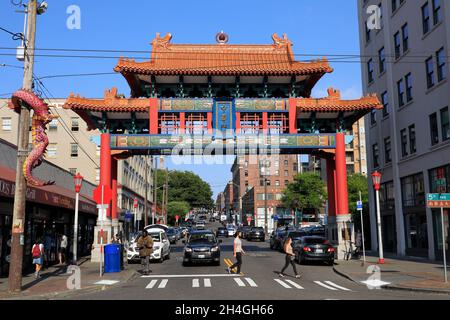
(376, 180)
(78, 181)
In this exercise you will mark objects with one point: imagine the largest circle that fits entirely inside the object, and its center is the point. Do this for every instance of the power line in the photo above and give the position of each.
(64, 125)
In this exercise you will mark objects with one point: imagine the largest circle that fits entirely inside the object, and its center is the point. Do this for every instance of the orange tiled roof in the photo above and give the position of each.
(276, 59)
(110, 102)
(333, 103)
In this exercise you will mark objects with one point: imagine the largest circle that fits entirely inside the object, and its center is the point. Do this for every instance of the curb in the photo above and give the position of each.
(397, 288)
(69, 293)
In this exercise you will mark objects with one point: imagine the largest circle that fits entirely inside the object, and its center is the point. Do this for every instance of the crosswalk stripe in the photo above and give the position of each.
(207, 283)
(239, 282)
(195, 283)
(251, 282)
(294, 284)
(163, 284)
(335, 285)
(282, 283)
(325, 286)
(151, 284)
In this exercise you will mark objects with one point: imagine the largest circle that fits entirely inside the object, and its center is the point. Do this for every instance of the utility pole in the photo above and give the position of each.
(17, 238)
(166, 188)
(146, 192)
(155, 189)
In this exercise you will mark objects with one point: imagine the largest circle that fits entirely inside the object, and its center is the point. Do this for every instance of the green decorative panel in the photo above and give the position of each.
(186, 104)
(260, 104)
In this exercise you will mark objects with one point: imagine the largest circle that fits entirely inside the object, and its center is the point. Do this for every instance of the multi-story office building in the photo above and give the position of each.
(75, 149)
(405, 62)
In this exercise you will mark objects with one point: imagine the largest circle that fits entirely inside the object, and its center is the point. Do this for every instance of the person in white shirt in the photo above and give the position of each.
(62, 249)
(237, 252)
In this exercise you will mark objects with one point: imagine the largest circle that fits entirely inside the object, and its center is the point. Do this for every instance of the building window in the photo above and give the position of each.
(437, 17)
(430, 72)
(286, 173)
(445, 125)
(97, 151)
(97, 175)
(426, 18)
(440, 60)
(412, 138)
(6, 124)
(405, 37)
(367, 33)
(434, 135)
(385, 102)
(286, 162)
(401, 93)
(74, 150)
(75, 126)
(295, 167)
(245, 173)
(404, 142)
(370, 71)
(261, 182)
(394, 5)
(73, 171)
(286, 182)
(382, 60)
(397, 45)
(413, 192)
(246, 183)
(51, 150)
(373, 116)
(408, 81)
(387, 150)
(277, 172)
(375, 155)
(277, 183)
(53, 126)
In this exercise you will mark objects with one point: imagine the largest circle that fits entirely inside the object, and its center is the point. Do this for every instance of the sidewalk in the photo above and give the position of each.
(397, 274)
(53, 282)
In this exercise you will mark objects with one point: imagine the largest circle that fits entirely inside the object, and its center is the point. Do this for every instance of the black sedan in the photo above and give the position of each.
(313, 248)
(244, 231)
(202, 247)
(172, 235)
(222, 232)
(256, 233)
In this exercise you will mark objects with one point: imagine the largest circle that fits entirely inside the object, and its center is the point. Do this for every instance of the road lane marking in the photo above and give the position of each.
(294, 284)
(207, 283)
(189, 275)
(282, 283)
(251, 282)
(325, 286)
(239, 282)
(151, 284)
(107, 282)
(163, 284)
(337, 286)
(195, 283)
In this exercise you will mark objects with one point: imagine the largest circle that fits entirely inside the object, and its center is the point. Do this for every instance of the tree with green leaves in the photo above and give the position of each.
(307, 191)
(180, 208)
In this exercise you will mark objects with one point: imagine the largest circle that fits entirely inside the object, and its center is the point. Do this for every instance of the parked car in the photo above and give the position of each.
(317, 231)
(172, 235)
(200, 225)
(295, 235)
(202, 246)
(244, 230)
(231, 230)
(161, 246)
(256, 233)
(313, 248)
(278, 236)
(222, 232)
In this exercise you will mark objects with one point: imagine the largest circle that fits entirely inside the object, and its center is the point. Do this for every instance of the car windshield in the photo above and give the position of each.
(296, 234)
(155, 236)
(202, 237)
(170, 231)
(315, 240)
(258, 229)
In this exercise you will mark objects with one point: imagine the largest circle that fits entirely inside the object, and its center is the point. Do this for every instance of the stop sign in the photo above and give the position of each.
(97, 194)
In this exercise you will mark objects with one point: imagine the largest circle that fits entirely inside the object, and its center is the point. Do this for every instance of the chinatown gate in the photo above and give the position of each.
(225, 99)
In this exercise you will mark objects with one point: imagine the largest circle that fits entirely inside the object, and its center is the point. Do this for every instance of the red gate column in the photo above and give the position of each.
(209, 122)
(153, 116)
(183, 122)
(331, 171)
(105, 162)
(113, 189)
(292, 116)
(341, 175)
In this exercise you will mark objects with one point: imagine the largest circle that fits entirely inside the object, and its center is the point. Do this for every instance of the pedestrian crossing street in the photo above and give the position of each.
(245, 282)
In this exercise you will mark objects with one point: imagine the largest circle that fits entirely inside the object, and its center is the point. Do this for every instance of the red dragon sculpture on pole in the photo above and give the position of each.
(41, 118)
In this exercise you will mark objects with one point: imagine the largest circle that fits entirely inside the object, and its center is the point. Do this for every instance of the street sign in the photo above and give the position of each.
(128, 216)
(359, 205)
(135, 203)
(97, 194)
(438, 200)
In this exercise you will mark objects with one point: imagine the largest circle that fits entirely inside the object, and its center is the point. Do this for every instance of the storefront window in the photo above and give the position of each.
(416, 234)
(413, 192)
(440, 179)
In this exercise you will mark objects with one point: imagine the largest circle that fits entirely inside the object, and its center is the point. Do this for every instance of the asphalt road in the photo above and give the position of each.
(259, 280)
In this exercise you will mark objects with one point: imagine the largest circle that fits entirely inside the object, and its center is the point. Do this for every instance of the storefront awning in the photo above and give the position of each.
(53, 195)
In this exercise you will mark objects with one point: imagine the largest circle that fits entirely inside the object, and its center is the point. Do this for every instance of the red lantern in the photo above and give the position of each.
(78, 181)
(376, 180)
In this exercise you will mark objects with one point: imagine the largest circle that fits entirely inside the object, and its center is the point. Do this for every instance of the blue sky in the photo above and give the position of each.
(320, 27)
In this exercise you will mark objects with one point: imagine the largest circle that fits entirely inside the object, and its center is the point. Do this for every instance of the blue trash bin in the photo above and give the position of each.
(112, 258)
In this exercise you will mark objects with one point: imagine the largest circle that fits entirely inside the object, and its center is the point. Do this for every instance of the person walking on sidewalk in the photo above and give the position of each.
(237, 253)
(37, 252)
(63, 249)
(145, 245)
(289, 258)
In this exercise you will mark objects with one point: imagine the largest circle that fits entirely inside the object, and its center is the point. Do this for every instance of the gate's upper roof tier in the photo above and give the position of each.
(223, 59)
